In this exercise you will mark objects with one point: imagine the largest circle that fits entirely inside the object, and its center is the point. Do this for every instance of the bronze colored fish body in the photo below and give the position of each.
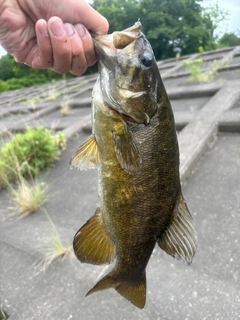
(135, 147)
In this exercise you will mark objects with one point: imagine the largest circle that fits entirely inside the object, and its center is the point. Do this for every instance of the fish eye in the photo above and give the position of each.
(146, 60)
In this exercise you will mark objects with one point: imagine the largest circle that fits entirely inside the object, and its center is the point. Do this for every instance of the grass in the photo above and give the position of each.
(65, 109)
(53, 93)
(55, 250)
(196, 74)
(3, 315)
(28, 197)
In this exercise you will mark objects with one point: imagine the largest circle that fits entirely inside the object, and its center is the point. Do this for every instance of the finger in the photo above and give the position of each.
(61, 45)
(43, 57)
(79, 62)
(87, 44)
(92, 19)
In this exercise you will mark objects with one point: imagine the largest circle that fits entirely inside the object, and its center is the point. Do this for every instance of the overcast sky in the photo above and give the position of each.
(232, 25)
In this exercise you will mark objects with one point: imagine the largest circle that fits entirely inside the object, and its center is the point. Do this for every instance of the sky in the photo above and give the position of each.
(232, 25)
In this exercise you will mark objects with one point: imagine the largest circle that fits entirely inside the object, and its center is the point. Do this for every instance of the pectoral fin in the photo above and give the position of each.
(87, 156)
(180, 238)
(126, 148)
(92, 244)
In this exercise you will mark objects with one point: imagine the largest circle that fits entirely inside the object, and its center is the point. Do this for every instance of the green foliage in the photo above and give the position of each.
(3, 86)
(28, 197)
(194, 69)
(29, 152)
(196, 74)
(55, 249)
(170, 26)
(15, 75)
(3, 314)
(7, 63)
(229, 40)
(212, 15)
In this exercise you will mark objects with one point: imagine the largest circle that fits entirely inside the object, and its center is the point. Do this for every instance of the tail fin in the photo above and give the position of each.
(135, 291)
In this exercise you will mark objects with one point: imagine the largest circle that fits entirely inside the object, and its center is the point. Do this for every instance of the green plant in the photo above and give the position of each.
(28, 197)
(194, 69)
(33, 100)
(55, 249)
(59, 140)
(3, 86)
(29, 152)
(53, 93)
(3, 314)
(178, 55)
(65, 108)
(196, 74)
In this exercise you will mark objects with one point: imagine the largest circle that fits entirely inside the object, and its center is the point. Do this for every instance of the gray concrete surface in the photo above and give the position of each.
(209, 289)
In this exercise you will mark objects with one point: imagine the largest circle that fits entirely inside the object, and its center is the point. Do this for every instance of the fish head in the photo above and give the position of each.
(129, 76)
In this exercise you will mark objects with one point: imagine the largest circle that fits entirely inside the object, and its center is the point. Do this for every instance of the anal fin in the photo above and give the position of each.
(180, 238)
(87, 156)
(92, 244)
(135, 292)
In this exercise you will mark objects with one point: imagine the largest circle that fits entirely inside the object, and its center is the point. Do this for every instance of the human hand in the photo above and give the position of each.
(51, 34)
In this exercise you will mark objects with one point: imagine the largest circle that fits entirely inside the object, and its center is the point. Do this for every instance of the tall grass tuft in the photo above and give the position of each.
(55, 249)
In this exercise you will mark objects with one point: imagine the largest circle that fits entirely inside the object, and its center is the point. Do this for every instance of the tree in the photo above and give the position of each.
(6, 67)
(15, 75)
(170, 25)
(229, 40)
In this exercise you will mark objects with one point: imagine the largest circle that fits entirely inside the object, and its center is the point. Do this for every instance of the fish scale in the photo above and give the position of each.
(134, 146)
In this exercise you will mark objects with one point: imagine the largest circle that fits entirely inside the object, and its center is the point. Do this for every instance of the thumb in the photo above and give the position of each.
(92, 19)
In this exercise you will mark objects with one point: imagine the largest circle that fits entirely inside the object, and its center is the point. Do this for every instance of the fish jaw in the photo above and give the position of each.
(128, 87)
(106, 45)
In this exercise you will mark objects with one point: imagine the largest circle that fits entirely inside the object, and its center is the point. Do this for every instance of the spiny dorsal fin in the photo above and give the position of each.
(87, 156)
(126, 148)
(135, 292)
(180, 238)
(92, 244)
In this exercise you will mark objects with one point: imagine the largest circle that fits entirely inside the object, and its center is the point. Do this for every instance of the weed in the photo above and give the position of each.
(33, 101)
(55, 249)
(196, 74)
(3, 314)
(65, 109)
(53, 93)
(59, 141)
(29, 152)
(28, 197)
(75, 86)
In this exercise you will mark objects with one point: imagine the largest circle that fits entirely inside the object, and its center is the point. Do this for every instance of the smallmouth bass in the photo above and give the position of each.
(134, 145)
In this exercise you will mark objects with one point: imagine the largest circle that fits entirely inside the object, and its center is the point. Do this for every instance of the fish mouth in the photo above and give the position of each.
(107, 46)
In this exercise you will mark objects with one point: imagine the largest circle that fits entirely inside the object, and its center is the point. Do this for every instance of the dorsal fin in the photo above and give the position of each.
(180, 238)
(87, 155)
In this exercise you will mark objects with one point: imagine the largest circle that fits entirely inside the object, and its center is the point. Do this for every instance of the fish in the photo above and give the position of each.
(134, 146)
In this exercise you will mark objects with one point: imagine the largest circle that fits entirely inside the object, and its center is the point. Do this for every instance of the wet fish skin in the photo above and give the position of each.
(135, 148)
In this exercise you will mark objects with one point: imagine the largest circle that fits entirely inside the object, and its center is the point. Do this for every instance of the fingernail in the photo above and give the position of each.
(57, 27)
(81, 30)
(43, 29)
(69, 29)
